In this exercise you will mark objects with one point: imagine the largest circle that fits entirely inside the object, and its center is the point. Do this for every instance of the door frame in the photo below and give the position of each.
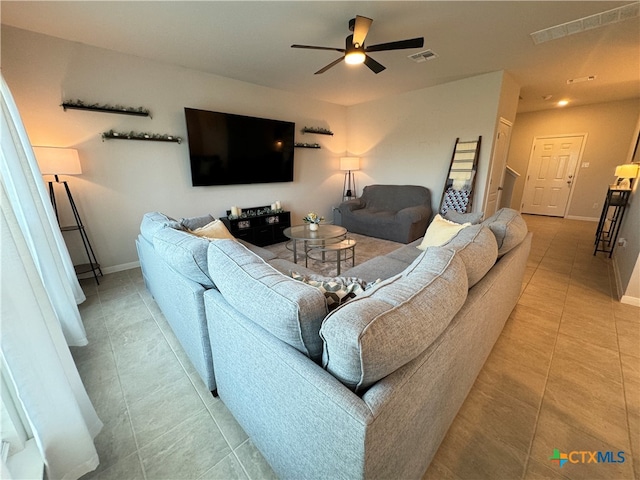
(492, 165)
(575, 173)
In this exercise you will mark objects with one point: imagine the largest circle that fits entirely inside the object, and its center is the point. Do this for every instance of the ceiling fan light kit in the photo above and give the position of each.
(355, 51)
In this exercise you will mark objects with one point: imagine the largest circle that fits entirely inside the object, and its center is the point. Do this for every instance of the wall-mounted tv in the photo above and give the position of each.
(228, 149)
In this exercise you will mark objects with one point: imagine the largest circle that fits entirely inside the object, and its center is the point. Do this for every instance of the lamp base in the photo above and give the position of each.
(625, 184)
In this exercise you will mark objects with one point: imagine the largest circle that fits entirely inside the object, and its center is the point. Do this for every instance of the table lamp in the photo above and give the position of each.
(625, 174)
(348, 165)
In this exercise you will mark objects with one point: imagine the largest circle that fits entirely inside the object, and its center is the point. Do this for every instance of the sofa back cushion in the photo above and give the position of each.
(288, 309)
(395, 197)
(185, 253)
(509, 228)
(153, 222)
(374, 334)
(477, 247)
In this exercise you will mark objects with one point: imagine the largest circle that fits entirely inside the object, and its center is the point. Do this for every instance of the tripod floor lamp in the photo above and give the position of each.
(65, 161)
(349, 165)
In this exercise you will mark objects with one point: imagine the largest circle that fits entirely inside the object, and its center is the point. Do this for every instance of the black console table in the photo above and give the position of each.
(259, 229)
(615, 204)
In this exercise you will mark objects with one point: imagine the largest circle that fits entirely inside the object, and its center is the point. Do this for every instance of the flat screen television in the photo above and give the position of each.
(228, 149)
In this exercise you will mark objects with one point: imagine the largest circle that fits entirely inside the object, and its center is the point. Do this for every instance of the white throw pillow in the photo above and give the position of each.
(440, 232)
(215, 230)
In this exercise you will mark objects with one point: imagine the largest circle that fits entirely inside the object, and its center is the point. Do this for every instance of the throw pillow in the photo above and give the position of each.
(472, 217)
(440, 232)
(215, 230)
(336, 290)
(509, 228)
(195, 222)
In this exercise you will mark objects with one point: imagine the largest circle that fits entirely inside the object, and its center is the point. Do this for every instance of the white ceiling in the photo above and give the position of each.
(250, 41)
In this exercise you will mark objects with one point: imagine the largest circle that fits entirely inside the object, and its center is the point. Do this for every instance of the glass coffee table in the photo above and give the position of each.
(325, 238)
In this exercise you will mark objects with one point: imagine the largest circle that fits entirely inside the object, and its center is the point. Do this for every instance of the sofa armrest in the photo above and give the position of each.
(351, 205)
(414, 214)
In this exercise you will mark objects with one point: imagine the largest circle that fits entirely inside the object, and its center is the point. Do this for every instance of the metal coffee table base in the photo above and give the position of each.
(345, 250)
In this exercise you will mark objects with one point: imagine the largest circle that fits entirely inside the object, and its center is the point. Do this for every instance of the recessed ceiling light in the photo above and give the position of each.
(563, 103)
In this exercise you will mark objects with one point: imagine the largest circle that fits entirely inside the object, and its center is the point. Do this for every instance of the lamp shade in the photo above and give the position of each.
(349, 163)
(58, 161)
(628, 170)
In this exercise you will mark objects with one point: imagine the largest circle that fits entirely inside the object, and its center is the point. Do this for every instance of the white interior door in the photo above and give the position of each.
(551, 174)
(498, 165)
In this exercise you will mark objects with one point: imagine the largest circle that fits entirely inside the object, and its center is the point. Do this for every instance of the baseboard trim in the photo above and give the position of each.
(628, 300)
(586, 219)
(121, 267)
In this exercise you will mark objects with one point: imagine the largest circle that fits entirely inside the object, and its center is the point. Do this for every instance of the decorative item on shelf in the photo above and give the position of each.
(626, 174)
(307, 145)
(317, 130)
(349, 165)
(276, 206)
(237, 212)
(152, 137)
(65, 161)
(313, 219)
(106, 108)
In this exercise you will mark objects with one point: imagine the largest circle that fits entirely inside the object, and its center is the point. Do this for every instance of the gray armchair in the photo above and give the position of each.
(399, 213)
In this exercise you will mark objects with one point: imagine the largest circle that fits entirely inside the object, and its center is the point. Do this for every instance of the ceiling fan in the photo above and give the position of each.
(355, 52)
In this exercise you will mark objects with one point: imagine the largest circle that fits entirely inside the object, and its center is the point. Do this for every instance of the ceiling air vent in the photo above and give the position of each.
(423, 56)
(614, 15)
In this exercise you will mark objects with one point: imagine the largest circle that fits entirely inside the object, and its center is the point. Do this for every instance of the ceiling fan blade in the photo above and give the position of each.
(361, 29)
(399, 45)
(332, 64)
(311, 47)
(373, 65)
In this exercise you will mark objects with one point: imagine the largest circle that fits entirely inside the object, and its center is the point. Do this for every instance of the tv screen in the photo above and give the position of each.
(228, 149)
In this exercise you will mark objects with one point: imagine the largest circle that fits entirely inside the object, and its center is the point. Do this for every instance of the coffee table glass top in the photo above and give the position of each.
(303, 232)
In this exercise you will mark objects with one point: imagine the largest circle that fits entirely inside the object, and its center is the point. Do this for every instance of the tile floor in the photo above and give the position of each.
(565, 374)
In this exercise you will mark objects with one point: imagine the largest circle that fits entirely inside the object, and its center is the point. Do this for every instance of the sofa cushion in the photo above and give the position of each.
(471, 217)
(509, 228)
(153, 222)
(290, 310)
(477, 247)
(192, 223)
(389, 325)
(407, 253)
(185, 253)
(378, 267)
(215, 230)
(440, 231)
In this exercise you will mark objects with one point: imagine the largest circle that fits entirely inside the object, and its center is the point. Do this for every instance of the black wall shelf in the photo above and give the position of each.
(139, 112)
(306, 145)
(317, 130)
(150, 137)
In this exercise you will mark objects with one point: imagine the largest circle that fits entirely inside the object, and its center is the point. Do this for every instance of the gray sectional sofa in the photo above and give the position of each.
(369, 389)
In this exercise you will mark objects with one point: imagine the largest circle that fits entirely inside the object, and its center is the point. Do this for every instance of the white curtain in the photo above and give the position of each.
(36, 324)
(31, 205)
(39, 364)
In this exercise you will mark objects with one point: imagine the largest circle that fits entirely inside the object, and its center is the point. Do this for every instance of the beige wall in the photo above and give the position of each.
(627, 259)
(122, 180)
(609, 127)
(405, 139)
(409, 138)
